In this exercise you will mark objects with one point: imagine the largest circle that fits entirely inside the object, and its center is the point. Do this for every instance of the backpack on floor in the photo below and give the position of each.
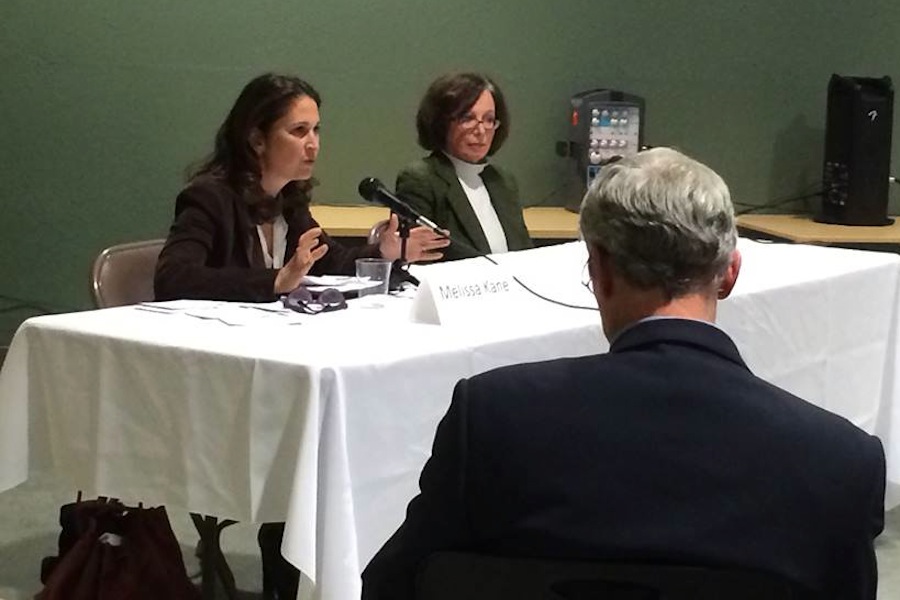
(109, 551)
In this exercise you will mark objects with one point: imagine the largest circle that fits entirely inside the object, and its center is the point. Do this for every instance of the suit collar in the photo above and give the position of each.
(248, 236)
(506, 204)
(458, 201)
(684, 332)
(441, 164)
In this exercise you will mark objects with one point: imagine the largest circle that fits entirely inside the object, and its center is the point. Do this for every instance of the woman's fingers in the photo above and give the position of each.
(392, 226)
(309, 250)
(425, 245)
(318, 252)
(309, 239)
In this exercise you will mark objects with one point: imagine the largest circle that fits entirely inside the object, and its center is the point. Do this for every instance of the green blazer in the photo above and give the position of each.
(430, 186)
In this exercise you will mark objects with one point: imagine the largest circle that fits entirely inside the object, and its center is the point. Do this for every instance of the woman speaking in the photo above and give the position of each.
(242, 228)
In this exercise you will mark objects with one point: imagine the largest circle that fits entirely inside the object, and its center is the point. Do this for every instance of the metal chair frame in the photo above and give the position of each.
(139, 258)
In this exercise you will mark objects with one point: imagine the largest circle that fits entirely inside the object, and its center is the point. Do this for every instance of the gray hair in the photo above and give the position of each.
(665, 219)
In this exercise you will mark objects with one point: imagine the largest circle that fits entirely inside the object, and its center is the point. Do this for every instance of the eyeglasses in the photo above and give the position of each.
(302, 300)
(586, 280)
(471, 122)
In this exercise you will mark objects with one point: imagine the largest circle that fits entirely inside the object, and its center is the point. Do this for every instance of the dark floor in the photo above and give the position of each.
(29, 530)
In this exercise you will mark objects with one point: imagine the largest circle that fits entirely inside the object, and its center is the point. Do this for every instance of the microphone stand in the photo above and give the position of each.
(403, 227)
(403, 230)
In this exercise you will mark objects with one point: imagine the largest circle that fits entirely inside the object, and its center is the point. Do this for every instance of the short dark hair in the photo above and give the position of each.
(263, 101)
(450, 97)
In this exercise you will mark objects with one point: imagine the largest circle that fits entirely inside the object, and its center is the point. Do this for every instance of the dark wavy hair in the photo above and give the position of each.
(263, 101)
(450, 97)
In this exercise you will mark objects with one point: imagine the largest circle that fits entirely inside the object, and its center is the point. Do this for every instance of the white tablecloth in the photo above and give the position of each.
(327, 423)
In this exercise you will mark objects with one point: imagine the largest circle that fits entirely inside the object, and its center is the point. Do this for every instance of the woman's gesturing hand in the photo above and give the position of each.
(308, 252)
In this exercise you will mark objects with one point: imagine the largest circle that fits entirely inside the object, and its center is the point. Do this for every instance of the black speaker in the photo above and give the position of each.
(857, 151)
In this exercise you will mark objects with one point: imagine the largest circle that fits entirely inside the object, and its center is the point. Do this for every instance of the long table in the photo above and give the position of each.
(326, 423)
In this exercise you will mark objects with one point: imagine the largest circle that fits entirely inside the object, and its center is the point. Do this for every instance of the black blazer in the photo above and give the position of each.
(430, 185)
(213, 250)
(665, 449)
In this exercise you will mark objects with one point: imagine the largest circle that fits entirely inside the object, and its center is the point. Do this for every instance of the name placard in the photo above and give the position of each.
(465, 292)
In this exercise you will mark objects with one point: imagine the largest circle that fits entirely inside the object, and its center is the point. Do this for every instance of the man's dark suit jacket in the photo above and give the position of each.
(431, 187)
(213, 250)
(665, 449)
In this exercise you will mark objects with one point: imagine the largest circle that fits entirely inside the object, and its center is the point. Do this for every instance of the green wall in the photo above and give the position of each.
(105, 103)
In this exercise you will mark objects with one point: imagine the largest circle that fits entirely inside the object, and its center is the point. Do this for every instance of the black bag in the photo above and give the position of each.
(108, 551)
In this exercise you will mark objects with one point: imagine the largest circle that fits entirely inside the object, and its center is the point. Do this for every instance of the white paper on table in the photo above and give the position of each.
(342, 283)
(228, 313)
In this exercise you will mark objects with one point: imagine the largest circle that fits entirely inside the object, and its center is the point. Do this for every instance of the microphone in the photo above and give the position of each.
(372, 190)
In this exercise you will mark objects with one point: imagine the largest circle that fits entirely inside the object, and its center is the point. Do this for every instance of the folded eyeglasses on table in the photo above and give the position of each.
(305, 301)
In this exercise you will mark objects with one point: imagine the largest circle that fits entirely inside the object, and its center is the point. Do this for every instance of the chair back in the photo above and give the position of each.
(123, 274)
(457, 576)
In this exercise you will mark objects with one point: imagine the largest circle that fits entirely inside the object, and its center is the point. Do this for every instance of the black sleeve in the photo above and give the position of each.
(854, 571)
(436, 519)
(869, 568)
(200, 258)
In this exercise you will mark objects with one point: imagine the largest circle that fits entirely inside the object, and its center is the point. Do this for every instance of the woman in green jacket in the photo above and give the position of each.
(463, 120)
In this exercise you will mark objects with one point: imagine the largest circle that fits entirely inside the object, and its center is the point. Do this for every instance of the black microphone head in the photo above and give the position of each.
(369, 187)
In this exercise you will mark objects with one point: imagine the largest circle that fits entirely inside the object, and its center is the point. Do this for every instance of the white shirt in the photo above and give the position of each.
(469, 176)
(275, 257)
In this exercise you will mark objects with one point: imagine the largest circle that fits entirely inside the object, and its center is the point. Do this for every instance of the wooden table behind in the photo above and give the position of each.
(544, 222)
(802, 229)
